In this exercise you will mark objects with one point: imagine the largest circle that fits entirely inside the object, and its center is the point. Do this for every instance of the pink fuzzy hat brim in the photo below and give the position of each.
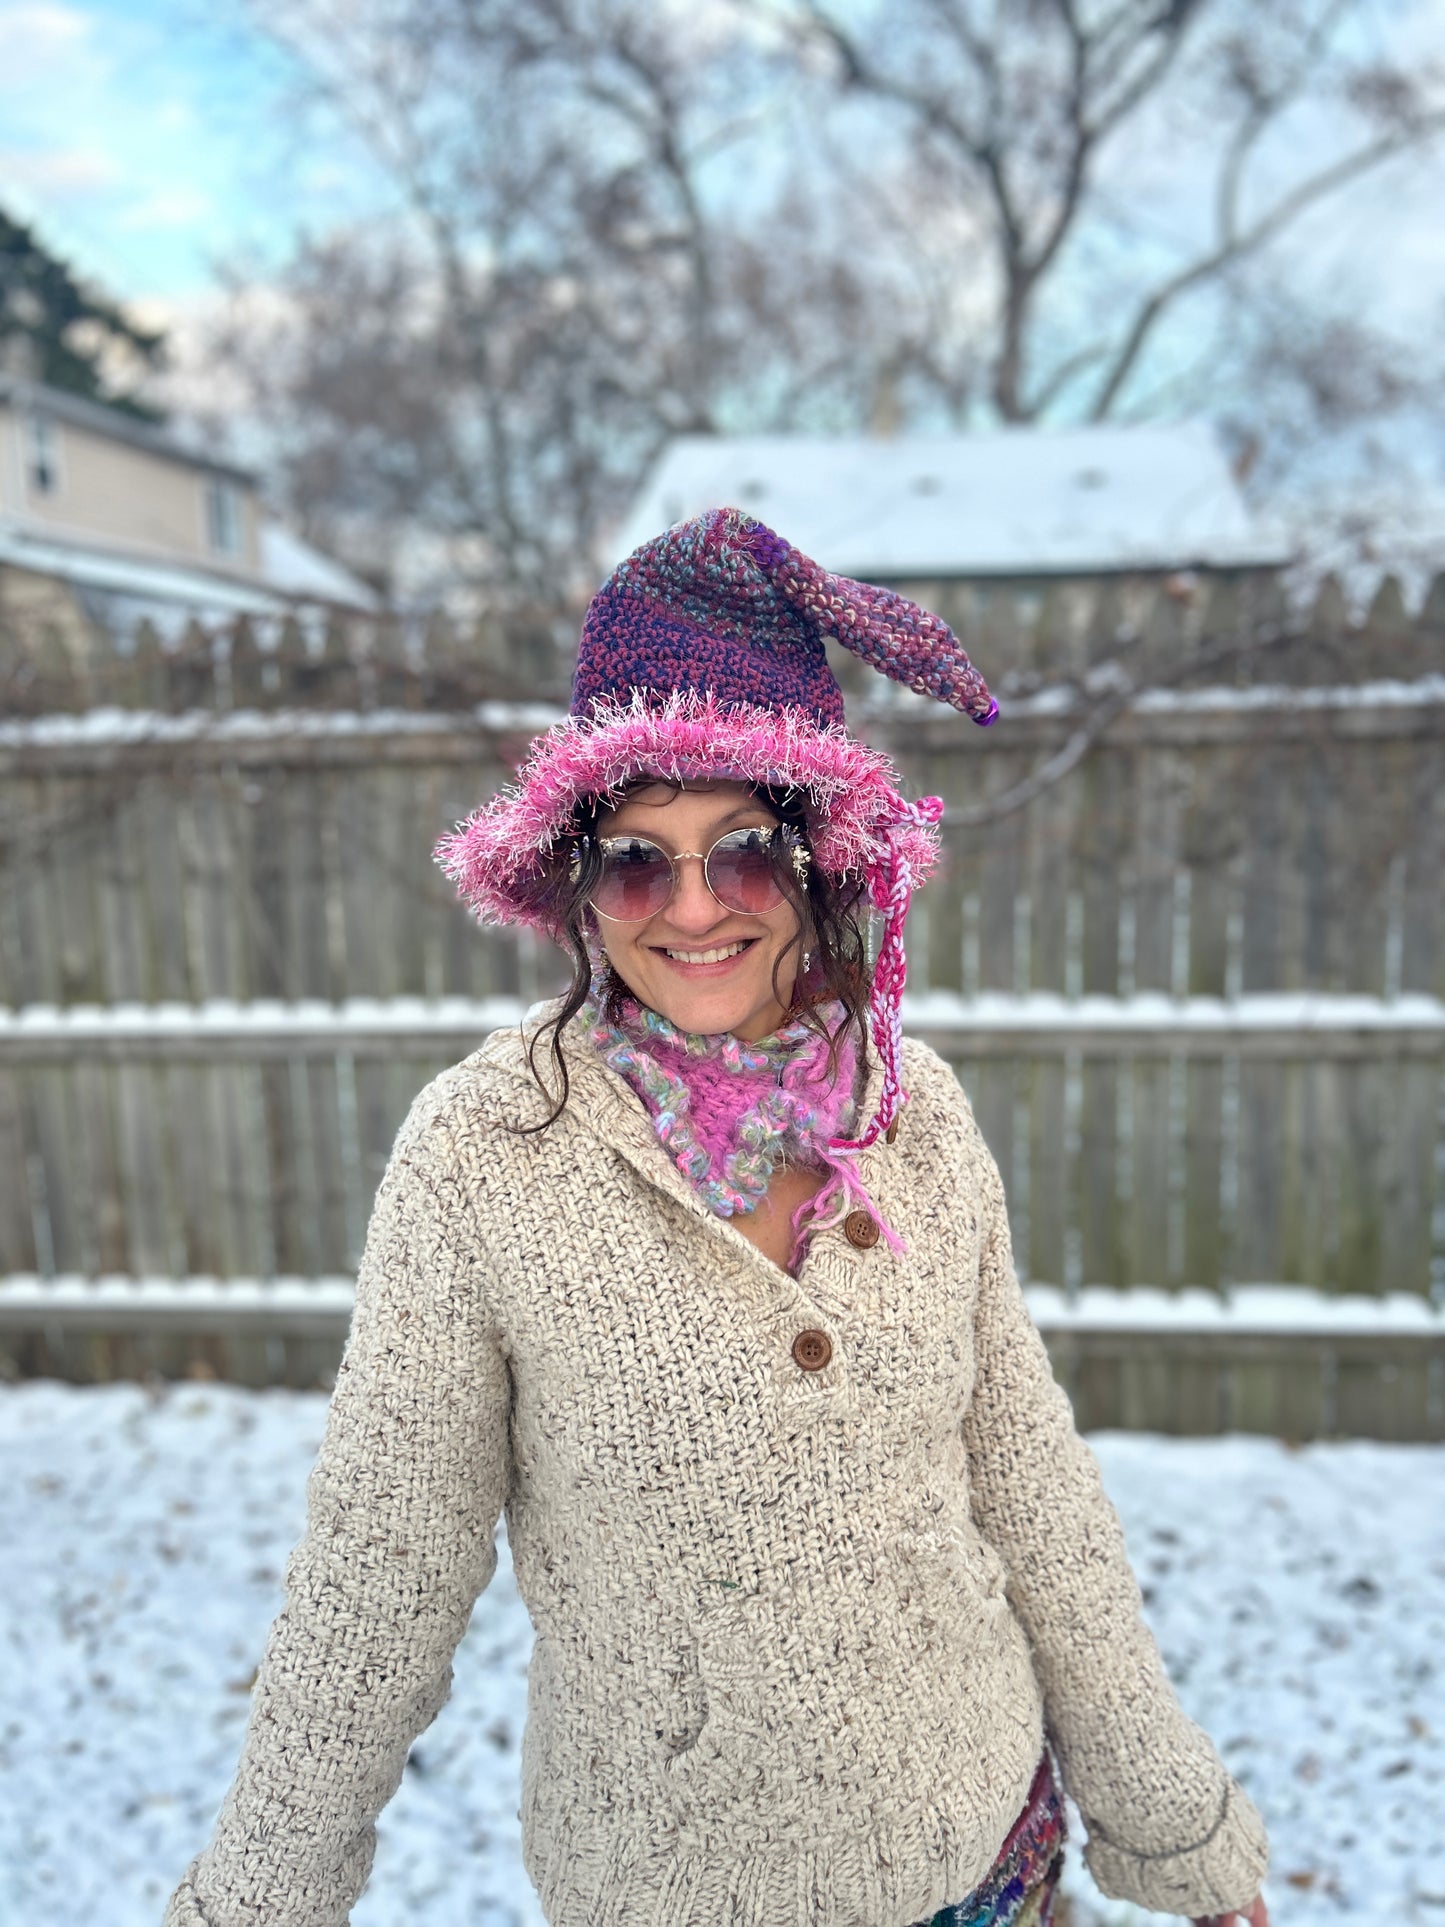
(855, 811)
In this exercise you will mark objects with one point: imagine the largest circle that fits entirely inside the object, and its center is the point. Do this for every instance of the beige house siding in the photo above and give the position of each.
(12, 469)
(107, 490)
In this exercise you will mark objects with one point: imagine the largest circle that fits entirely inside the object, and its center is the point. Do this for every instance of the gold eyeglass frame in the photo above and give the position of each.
(801, 860)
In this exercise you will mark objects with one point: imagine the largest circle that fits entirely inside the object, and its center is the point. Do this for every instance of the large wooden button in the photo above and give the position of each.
(891, 1132)
(861, 1229)
(812, 1350)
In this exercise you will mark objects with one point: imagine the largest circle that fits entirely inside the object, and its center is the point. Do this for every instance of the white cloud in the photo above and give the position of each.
(45, 50)
(34, 33)
(59, 173)
(173, 207)
(108, 136)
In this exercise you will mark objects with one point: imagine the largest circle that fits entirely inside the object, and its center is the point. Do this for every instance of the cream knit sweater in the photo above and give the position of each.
(800, 1633)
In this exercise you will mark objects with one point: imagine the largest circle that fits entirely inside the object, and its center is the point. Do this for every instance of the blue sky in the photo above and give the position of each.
(145, 139)
(148, 138)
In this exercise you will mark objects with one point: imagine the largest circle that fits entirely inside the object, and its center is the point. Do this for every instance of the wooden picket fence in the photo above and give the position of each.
(1195, 990)
(1027, 634)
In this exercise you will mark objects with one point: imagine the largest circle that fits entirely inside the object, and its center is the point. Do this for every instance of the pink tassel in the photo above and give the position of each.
(890, 883)
(843, 1191)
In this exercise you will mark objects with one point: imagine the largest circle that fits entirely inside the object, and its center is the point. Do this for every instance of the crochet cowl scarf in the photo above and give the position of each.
(731, 1112)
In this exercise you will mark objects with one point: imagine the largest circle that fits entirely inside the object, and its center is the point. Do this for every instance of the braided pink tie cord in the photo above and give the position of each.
(890, 882)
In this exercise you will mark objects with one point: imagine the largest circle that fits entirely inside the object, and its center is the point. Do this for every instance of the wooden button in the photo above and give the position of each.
(891, 1132)
(860, 1229)
(812, 1350)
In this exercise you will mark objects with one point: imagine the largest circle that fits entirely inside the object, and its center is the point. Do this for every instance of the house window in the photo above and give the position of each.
(42, 455)
(223, 517)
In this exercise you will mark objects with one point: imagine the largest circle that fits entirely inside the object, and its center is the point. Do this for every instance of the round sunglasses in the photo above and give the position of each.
(741, 869)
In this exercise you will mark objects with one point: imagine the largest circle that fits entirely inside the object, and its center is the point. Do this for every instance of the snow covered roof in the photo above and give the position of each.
(121, 590)
(1010, 501)
(303, 573)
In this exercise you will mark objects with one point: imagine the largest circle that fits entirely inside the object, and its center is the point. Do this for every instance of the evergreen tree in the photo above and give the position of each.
(55, 329)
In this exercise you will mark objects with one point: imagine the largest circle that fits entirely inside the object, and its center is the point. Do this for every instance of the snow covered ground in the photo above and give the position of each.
(1297, 1595)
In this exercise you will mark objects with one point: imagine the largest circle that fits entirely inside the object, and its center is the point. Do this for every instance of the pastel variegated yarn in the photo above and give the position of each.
(730, 1112)
(722, 602)
(1022, 1884)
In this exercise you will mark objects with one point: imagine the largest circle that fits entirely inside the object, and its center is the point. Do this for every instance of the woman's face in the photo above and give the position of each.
(660, 960)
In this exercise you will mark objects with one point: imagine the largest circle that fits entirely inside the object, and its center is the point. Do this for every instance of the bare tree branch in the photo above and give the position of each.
(1245, 242)
(582, 262)
(1171, 22)
(1058, 379)
(1120, 694)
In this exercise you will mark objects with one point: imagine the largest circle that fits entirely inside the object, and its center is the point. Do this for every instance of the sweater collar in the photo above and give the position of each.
(602, 1102)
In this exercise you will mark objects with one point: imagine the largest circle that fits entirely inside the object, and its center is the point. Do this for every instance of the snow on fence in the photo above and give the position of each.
(1281, 1359)
(225, 1154)
(1194, 991)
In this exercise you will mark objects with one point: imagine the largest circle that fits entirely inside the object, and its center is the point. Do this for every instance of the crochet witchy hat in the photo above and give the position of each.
(703, 658)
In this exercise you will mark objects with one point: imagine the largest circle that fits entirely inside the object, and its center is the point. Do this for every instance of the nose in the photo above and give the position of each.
(693, 910)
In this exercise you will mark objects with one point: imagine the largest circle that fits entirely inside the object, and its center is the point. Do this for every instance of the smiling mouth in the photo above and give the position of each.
(720, 953)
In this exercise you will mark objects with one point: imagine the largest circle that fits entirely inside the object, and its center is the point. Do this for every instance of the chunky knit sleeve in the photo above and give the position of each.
(402, 1505)
(1167, 1826)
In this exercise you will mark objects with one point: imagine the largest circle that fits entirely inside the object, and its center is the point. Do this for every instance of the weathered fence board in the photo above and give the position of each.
(180, 885)
(1295, 1385)
(1204, 847)
(243, 1153)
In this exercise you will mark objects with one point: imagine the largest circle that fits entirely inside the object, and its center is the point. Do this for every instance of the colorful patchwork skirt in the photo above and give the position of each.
(1019, 1889)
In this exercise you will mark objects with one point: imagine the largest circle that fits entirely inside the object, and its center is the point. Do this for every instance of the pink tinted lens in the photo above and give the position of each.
(636, 881)
(742, 873)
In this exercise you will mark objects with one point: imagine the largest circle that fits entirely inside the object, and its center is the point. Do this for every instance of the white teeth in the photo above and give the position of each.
(709, 956)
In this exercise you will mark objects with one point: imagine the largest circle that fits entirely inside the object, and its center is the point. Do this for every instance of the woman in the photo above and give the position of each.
(719, 1306)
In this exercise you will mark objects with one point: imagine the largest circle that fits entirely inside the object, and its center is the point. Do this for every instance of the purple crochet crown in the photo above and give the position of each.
(722, 605)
